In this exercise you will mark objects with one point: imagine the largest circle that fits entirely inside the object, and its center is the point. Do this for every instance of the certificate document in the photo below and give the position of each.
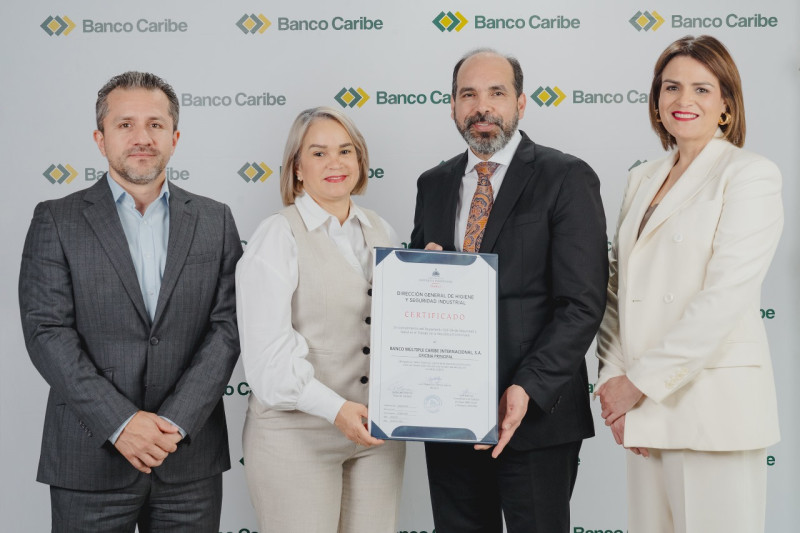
(433, 373)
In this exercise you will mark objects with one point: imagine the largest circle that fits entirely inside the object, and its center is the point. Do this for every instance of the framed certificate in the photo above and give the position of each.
(433, 374)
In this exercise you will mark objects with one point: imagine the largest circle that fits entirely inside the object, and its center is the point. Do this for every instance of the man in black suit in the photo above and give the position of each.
(547, 225)
(126, 293)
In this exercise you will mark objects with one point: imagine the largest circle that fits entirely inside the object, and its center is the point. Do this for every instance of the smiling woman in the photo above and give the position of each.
(686, 385)
(303, 303)
(327, 166)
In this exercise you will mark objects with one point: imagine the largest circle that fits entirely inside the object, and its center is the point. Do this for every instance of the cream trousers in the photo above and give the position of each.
(304, 476)
(686, 491)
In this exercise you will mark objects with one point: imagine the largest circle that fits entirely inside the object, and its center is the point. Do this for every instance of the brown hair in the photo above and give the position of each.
(136, 80)
(291, 187)
(716, 58)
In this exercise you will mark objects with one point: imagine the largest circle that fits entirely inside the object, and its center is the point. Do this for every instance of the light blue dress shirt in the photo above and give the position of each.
(148, 237)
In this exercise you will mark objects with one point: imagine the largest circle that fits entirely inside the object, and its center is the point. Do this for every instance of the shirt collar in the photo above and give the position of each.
(503, 156)
(314, 215)
(120, 195)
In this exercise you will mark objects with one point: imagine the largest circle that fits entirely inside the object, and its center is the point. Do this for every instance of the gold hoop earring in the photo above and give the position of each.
(725, 119)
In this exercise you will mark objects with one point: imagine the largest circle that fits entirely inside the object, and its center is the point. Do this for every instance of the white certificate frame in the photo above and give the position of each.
(433, 368)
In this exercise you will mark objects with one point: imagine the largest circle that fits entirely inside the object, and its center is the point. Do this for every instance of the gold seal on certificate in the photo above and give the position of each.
(433, 374)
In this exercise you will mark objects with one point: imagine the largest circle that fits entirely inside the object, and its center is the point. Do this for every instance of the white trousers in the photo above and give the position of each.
(304, 476)
(686, 491)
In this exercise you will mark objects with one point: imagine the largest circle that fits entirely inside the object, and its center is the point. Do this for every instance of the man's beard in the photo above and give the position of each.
(487, 143)
(134, 175)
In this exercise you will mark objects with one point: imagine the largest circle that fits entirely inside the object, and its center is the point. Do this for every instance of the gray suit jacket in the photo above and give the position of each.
(89, 335)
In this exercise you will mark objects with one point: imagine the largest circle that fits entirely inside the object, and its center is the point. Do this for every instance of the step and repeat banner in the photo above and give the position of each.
(244, 69)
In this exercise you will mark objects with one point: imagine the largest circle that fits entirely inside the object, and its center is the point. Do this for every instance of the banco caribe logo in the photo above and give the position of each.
(351, 97)
(646, 20)
(253, 23)
(58, 173)
(58, 25)
(253, 172)
(450, 21)
(547, 96)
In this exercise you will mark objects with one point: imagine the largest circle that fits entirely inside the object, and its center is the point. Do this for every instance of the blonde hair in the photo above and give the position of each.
(291, 187)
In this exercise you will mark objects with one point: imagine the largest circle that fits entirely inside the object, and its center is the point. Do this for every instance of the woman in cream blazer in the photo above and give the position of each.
(685, 377)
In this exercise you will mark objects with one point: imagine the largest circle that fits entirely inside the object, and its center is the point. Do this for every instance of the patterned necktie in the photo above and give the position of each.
(480, 207)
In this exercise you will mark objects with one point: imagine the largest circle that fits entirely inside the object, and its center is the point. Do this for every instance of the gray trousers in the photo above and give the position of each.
(153, 505)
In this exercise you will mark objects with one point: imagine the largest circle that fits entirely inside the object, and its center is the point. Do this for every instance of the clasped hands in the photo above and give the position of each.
(147, 440)
(617, 396)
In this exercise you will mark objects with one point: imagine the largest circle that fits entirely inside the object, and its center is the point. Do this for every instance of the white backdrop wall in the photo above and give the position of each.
(244, 69)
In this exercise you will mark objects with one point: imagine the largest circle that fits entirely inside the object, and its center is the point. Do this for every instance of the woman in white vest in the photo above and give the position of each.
(303, 292)
(686, 378)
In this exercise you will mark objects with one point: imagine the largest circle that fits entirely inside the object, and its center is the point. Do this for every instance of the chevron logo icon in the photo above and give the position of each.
(545, 96)
(57, 25)
(60, 173)
(645, 20)
(450, 21)
(253, 23)
(351, 97)
(636, 164)
(253, 172)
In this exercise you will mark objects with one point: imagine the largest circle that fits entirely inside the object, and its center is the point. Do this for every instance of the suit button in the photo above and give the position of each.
(364, 379)
(368, 320)
(669, 298)
(365, 350)
(677, 238)
(369, 292)
(153, 340)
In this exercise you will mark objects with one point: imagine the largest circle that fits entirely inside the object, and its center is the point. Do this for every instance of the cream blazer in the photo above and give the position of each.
(682, 318)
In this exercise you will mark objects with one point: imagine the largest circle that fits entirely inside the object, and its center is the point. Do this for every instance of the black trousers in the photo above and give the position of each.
(155, 506)
(472, 493)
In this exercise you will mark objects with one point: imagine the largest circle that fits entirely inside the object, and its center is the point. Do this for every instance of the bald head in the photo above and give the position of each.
(480, 53)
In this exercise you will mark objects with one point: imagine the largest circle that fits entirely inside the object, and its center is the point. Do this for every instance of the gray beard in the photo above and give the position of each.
(487, 143)
(138, 178)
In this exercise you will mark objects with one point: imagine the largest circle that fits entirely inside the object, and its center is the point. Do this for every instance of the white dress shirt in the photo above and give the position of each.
(273, 353)
(470, 182)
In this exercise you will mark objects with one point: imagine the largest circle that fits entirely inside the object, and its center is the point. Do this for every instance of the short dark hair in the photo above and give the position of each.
(713, 55)
(515, 67)
(136, 80)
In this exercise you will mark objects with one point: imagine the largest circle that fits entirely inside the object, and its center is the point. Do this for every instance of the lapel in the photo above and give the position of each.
(182, 222)
(102, 217)
(699, 173)
(451, 183)
(650, 183)
(517, 177)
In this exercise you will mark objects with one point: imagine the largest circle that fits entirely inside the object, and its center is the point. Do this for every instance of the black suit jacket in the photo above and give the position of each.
(88, 333)
(547, 226)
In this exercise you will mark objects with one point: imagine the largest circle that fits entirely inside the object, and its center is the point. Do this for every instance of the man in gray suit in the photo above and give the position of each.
(126, 294)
